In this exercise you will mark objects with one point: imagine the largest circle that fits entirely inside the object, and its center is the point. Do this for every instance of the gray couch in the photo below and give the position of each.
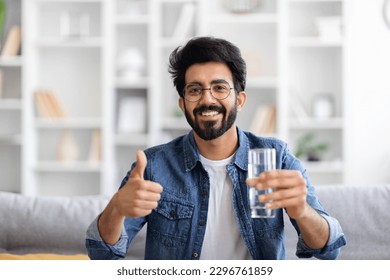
(58, 225)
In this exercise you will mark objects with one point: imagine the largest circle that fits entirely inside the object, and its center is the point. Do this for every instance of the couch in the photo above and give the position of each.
(49, 227)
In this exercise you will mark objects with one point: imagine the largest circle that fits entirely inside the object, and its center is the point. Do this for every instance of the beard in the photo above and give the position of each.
(211, 131)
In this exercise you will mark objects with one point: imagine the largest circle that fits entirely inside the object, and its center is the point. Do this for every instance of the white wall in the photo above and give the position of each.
(368, 88)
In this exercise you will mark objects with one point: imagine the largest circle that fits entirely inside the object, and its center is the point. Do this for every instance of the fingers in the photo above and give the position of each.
(277, 179)
(139, 169)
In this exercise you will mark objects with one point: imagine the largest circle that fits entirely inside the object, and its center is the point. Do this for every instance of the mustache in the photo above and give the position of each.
(204, 108)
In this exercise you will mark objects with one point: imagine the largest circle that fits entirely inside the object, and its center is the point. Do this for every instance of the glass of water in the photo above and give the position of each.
(260, 160)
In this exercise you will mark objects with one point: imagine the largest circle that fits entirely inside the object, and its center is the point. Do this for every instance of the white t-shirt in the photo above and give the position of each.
(222, 240)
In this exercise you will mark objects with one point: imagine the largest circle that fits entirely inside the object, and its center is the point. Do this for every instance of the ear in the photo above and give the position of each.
(241, 99)
(181, 103)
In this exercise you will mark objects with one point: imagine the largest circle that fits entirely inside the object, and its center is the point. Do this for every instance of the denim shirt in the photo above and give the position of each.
(176, 228)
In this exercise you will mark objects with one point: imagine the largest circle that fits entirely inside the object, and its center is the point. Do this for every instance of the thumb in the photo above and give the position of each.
(139, 169)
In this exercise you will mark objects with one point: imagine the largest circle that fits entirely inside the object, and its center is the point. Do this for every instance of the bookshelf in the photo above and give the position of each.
(105, 65)
(64, 105)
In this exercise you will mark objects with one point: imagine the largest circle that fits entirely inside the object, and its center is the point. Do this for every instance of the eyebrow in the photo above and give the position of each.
(216, 81)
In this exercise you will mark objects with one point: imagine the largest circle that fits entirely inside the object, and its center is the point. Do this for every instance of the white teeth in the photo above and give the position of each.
(210, 113)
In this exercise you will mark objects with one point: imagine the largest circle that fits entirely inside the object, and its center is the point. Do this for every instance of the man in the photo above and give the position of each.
(193, 191)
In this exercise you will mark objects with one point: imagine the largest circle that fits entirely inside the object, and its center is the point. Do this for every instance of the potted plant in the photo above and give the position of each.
(309, 149)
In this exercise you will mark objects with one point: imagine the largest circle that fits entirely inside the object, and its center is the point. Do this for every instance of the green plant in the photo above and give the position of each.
(2, 17)
(309, 149)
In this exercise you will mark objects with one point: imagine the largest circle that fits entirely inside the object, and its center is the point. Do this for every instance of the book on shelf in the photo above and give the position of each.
(297, 106)
(13, 42)
(48, 105)
(185, 21)
(95, 148)
(264, 121)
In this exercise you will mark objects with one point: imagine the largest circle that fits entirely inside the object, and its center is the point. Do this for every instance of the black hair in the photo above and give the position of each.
(207, 49)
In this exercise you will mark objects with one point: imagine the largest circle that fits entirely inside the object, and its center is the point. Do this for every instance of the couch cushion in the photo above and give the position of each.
(363, 214)
(46, 224)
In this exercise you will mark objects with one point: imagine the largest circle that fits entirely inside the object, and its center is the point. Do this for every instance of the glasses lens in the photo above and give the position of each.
(220, 90)
(192, 92)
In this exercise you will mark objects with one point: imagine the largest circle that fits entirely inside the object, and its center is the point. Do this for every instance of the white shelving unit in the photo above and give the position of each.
(64, 46)
(112, 77)
(316, 68)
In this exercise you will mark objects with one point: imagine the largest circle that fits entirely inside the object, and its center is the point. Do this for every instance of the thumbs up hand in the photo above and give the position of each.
(138, 197)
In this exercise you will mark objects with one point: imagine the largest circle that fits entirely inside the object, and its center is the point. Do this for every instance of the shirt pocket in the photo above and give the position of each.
(170, 222)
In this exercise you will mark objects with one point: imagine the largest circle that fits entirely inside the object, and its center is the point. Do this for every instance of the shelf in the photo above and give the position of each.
(10, 104)
(69, 43)
(76, 123)
(78, 167)
(323, 166)
(69, 1)
(315, 42)
(245, 18)
(132, 19)
(175, 124)
(309, 123)
(316, 1)
(11, 61)
(123, 83)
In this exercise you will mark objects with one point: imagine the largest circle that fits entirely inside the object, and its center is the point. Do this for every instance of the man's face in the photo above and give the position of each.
(209, 117)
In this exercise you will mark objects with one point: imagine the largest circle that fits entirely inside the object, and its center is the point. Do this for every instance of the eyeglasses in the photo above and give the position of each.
(219, 90)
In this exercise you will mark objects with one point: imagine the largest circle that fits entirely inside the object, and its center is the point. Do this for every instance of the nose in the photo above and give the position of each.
(207, 96)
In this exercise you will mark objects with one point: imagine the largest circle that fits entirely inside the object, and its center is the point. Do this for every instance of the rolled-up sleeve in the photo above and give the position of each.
(99, 250)
(331, 250)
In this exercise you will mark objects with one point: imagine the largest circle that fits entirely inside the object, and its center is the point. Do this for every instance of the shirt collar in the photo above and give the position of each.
(192, 156)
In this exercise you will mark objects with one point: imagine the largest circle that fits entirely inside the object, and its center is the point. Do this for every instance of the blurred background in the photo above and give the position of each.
(84, 85)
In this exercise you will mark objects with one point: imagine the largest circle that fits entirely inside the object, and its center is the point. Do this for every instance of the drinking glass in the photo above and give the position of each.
(260, 160)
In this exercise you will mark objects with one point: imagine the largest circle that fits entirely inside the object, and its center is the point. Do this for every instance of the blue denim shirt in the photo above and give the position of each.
(176, 228)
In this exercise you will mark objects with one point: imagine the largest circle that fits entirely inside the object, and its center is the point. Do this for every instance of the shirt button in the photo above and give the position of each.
(195, 254)
(201, 223)
(173, 214)
(204, 193)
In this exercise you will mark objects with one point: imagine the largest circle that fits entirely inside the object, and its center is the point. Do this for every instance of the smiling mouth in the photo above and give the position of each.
(209, 113)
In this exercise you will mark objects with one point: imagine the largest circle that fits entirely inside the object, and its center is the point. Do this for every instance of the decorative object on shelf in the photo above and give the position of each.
(323, 106)
(241, 6)
(74, 25)
(329, 28)
(48, 106)
(309, 149)
(185, 21)
(12, 42)
(132, 115)
(67, 150)
(131, 64)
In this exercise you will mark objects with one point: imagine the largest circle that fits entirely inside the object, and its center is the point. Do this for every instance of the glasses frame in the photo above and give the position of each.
(209, 89)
